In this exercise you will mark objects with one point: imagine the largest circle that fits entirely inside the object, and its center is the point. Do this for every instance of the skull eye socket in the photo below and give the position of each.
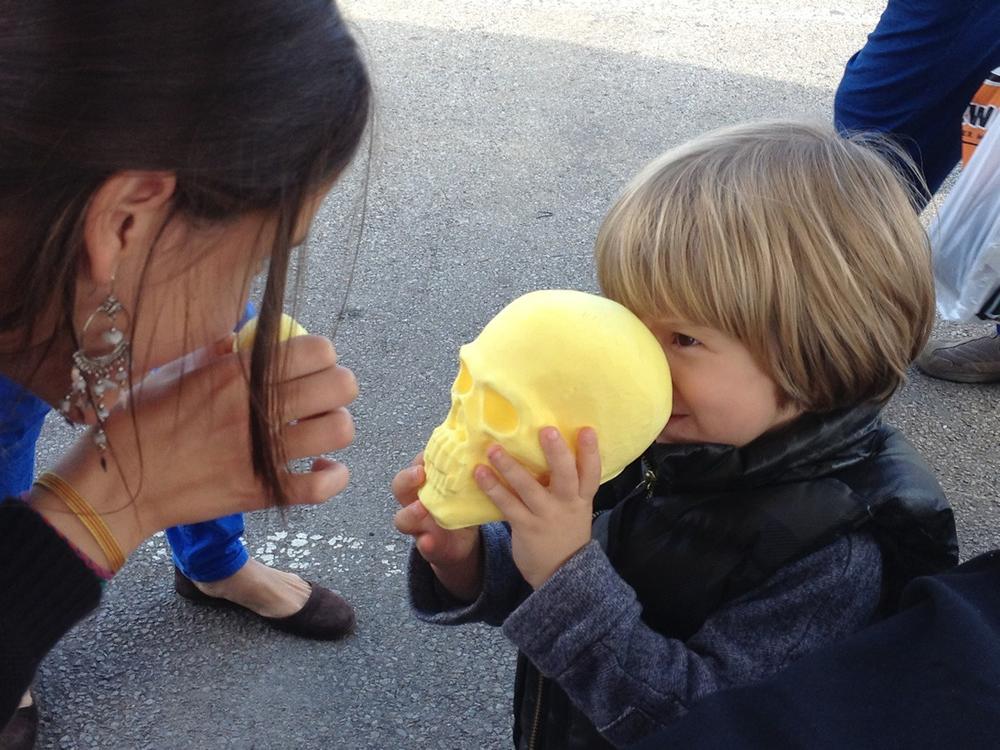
(463, 382)
(498, 412)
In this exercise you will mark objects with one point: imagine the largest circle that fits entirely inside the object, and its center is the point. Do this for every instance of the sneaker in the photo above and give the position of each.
(970, 361)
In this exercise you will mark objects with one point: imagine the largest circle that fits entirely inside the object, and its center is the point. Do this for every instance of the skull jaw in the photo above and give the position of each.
(450, 493)
(464, 507)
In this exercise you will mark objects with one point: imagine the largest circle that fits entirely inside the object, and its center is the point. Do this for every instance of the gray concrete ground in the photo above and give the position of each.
(504, 130)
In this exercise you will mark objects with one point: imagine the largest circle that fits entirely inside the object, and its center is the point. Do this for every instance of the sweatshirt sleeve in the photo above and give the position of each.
(45, 589)
(503, 586)
(583, 629)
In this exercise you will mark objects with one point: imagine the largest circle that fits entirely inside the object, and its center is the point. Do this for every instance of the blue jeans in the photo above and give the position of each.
(916, 75)
(204, 552)
(21, 417)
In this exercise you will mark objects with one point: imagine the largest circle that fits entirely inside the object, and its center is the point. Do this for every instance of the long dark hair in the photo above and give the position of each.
(253, 104)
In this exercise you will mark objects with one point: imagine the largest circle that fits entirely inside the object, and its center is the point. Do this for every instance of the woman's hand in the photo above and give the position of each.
(550, 522)
(180, 448)
(454, 555)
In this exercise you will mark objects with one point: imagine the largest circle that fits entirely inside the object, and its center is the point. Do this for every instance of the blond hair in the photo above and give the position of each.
(801, 243)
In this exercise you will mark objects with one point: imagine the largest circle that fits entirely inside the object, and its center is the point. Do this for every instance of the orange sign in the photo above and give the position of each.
(980, 114)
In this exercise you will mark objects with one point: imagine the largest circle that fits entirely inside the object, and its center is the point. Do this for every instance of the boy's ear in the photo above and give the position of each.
(123, 216)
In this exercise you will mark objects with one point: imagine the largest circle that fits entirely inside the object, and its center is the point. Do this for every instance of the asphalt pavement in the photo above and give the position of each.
(504, 130)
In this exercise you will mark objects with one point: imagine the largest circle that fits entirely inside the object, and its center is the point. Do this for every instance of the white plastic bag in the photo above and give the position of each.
(965, 238)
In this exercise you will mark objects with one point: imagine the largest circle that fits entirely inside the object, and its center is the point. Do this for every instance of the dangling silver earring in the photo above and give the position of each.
(96, 376)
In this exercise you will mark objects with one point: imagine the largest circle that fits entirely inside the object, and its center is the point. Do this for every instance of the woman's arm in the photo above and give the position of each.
(179, 453)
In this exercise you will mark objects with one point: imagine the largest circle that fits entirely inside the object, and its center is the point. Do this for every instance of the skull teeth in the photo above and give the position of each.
(443, 462)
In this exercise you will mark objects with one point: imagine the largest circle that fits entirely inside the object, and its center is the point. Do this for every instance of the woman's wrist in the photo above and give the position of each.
(103, 489)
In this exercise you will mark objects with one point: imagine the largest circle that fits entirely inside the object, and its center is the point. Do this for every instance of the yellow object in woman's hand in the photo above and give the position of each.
(289, 328)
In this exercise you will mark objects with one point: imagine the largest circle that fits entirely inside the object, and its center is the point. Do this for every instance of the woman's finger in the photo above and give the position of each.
(563, 479)
(327, 478)
(217, 355)
(301, 356)
(317, 393)
(194, 360)
(325, 433)
(296, 358)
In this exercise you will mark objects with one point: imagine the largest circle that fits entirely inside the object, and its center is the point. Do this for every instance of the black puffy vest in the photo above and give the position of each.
(691, 527)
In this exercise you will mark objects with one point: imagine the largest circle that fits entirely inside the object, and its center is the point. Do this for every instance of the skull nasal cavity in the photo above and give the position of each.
(463, 383)
(498, 412)
(455, 415)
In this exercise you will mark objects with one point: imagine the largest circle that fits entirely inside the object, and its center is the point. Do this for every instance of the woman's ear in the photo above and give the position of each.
(124, 216)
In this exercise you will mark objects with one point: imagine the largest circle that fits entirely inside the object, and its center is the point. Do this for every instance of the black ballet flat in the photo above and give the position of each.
(326, 615)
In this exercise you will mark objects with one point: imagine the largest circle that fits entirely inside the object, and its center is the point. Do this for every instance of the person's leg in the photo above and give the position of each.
(214, 564)
(210, 551)
(913, 80)
(916, 74)
(22, 415)
(214, 550)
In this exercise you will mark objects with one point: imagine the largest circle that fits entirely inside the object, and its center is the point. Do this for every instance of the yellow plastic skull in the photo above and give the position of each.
(555, 357)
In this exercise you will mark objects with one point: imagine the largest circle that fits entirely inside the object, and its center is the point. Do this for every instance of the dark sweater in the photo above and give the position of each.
(584, 628)
(928, 677)
(45, 589)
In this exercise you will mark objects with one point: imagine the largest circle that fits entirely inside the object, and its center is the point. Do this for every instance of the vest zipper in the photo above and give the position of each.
(648, 479)
(538, 713)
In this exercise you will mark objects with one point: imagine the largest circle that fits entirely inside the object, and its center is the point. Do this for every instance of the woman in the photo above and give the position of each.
(153, 158)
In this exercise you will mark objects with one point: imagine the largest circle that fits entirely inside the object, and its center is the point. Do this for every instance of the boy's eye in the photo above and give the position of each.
(682, 340)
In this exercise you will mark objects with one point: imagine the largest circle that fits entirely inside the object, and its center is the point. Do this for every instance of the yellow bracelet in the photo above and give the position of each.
(87, 515)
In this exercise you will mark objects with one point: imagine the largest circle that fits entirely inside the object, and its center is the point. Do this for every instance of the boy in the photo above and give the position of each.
(787, 277)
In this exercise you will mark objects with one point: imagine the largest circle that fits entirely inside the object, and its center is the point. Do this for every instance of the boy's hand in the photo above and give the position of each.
(453, 554)
(549, 524)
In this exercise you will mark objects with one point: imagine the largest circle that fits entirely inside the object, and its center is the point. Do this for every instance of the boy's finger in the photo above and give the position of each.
(563, 480)
(427, 545)
(509, 504)
(588, 462)
(520, 481)
(410, 518)
(418, 460)
(406, 483)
